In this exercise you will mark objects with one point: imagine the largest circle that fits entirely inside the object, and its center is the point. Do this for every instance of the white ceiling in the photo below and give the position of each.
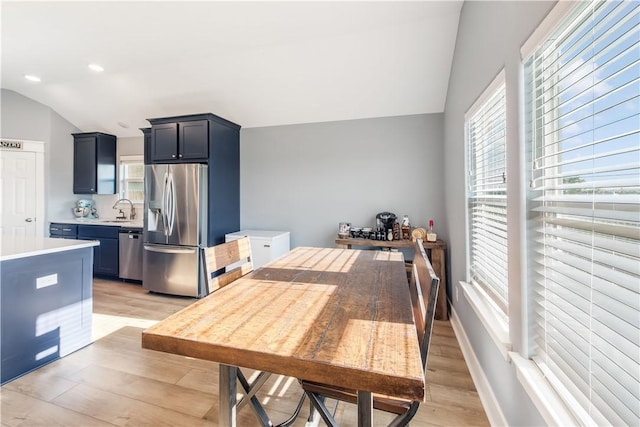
(255, 63)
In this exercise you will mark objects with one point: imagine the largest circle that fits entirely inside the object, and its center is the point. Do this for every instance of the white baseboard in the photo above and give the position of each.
(485, 392)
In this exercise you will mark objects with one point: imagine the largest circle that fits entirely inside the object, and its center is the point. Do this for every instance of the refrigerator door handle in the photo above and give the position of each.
(170, 250)
(165, 216)
(171, 213)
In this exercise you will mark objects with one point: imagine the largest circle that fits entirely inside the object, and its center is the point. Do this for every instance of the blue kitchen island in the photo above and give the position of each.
(46, 301)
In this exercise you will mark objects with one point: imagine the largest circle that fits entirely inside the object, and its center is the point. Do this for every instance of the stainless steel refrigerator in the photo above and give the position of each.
(175, 228)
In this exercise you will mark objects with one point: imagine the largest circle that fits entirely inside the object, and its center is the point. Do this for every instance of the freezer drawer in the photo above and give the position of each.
(173, 270)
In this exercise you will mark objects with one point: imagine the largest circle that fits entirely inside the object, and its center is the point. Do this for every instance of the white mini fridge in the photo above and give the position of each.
(265, 245)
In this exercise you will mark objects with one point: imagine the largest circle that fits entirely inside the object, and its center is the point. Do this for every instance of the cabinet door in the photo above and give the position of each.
(84, 165)
(164, 142)
(106, 257)
(106, 164)
(194, 140)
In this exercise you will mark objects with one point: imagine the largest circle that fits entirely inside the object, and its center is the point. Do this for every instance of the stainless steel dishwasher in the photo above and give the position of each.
(130, 253)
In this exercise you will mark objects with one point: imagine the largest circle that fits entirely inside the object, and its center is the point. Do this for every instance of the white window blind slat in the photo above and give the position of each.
(620, 403)
(582, 97)
(617, 246)
(621, 345)
(608, 357)
(620, 322)
(585, 212)
(617, 231)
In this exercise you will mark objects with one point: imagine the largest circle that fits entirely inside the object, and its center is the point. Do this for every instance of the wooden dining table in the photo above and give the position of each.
(334, 316)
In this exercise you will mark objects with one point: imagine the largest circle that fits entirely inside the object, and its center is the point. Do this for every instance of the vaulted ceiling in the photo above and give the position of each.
(255, 63)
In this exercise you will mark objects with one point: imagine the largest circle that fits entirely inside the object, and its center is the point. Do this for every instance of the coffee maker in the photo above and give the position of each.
(385, 220)
(84, 209)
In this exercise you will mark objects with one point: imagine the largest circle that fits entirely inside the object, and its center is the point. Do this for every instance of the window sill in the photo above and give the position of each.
(543, 396)
(498, 330)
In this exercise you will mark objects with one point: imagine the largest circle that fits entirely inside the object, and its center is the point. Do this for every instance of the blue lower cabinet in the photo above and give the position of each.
(105, 256)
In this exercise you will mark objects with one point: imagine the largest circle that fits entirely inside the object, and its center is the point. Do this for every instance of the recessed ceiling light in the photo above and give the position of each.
(32, 78)
(96, 68)
(123, 125)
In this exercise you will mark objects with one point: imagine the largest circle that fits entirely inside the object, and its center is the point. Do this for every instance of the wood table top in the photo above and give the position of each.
(336, 316)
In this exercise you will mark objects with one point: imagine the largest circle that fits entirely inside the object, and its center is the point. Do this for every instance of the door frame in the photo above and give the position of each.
(37, 147)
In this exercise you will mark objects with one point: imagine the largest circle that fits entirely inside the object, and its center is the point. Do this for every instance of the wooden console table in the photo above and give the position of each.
(436, 252)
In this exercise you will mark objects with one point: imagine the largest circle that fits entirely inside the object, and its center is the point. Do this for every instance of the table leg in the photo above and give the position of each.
(365, 408)
(227, 398)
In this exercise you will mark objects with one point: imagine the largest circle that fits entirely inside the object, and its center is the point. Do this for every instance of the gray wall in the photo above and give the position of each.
(306, 178)
(24, 118)
(490, 35)
(130, 146)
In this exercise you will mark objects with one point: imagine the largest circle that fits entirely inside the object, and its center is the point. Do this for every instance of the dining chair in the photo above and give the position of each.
(235, 254)
(235, 258)
(222, 265)
(423, 286)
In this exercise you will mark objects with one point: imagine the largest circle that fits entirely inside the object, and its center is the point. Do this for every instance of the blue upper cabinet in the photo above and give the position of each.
(212, 140)
(94, 163)
(179, 141)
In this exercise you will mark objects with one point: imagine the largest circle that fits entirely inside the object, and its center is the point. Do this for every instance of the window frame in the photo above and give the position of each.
(123, 180)
(498, 307)
(557, 20)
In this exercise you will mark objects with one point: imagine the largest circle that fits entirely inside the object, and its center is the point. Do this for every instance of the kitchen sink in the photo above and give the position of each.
(115, 221)
(104, 221)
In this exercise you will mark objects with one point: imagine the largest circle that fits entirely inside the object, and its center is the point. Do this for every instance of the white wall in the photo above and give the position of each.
(489, 38)
(306, 178)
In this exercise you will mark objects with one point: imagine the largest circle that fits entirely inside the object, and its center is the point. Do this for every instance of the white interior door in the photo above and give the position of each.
(19, 198)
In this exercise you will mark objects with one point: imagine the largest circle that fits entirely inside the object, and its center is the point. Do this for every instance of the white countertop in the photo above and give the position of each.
(21, 247)
(136, 223)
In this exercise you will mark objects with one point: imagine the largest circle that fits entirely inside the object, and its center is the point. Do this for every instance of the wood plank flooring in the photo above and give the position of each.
(114, 382)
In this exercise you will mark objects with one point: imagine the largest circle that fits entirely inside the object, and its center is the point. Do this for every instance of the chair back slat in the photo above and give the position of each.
(218, 257)
(424, 291)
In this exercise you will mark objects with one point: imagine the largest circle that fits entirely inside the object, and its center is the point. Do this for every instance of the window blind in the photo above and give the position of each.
(487, 195)
(582, 97)
(132, 178)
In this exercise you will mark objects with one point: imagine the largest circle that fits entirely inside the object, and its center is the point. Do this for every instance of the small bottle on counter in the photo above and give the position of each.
(431, 235)
(397, 233)
(406, 228)
(390, 234)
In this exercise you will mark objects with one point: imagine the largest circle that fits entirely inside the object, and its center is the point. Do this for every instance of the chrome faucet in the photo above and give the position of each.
(132, 212)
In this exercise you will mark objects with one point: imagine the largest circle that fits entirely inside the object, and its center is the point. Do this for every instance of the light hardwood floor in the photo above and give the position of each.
(115, 382)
